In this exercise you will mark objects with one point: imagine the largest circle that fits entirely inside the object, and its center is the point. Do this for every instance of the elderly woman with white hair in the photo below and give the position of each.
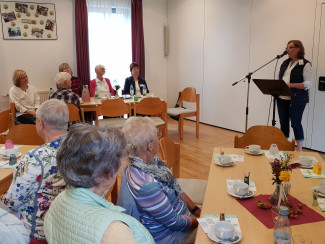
(63, 82)
(104, 86)
(164, 209)
(89, 160)
(36, 180)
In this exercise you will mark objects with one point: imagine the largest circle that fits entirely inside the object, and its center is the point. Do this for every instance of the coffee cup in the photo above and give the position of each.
(224, 159)
(240, 188)
(321, 187)
(224, 230)
(306, 161)
(10, 151)
(253, 148)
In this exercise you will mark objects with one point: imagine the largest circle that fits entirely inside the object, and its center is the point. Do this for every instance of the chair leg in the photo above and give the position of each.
(197, 126)
(181, 127)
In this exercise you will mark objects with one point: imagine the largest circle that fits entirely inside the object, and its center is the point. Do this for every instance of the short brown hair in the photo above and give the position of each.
(17, 76)
(133, 65)
(297, 43)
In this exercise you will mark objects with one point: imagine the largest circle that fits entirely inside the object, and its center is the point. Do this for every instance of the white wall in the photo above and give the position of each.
(40, 58)
(154, 17)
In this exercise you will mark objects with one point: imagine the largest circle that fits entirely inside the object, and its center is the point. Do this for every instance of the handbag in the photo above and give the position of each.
(176, 117)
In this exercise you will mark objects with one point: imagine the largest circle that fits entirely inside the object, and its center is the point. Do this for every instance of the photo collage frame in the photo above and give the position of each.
(28, 21)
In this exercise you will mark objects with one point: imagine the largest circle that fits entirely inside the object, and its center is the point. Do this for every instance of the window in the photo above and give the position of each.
(109, 28)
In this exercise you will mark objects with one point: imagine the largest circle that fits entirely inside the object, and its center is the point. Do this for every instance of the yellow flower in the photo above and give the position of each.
(284, 176)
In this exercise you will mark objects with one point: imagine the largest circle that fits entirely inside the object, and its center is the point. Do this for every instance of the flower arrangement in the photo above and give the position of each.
(281, 168)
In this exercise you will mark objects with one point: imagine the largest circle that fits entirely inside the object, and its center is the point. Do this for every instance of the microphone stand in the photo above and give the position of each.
(248, 77)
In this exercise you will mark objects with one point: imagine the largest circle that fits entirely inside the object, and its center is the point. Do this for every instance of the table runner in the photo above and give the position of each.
(265, 215)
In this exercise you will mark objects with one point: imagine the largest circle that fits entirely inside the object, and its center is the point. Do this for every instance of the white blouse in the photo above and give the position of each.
(24, 100)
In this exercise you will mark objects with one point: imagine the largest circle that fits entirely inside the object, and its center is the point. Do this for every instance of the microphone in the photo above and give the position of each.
(281, 55)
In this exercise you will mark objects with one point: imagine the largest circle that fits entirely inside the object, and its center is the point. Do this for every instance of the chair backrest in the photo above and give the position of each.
(74, 113)
(151, 106)
(171, 154)
(5, 124)
(188, 95)
(264, 136)
(24, 134)
(115, 108)
(13, 112)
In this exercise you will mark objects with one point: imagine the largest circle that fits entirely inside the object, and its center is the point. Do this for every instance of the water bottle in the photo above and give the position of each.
(85, 94)
(96, 92)
(144, 90)
(131, 91)
(282, 229)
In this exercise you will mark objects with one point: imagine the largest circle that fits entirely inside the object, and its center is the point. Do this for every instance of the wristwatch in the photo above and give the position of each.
(194, 209)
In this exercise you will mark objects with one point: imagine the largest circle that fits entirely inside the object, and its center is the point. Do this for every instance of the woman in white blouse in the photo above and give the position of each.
(296, 72)
(25, 98)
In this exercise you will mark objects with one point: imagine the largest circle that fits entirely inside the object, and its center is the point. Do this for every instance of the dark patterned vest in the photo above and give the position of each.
(300, 96)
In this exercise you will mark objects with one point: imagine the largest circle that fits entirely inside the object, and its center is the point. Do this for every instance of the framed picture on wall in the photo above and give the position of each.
(28, 21)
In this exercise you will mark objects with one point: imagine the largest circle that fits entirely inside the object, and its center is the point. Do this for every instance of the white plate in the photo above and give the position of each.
(305, 167)
(6, 157)
(217, 162)
(249, 194)
(212, 235)
(255, 154)
(318, 193)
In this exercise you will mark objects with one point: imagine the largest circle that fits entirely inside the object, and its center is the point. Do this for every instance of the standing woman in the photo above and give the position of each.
(25, 98)
(103, 84)
(137, 82)
(296, 72)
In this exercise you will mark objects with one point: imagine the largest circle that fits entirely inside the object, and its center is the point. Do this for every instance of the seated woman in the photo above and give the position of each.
(89, 160)
(25, 98)
(76, 85)
(137, 82)
(104, 86)
(165, 210)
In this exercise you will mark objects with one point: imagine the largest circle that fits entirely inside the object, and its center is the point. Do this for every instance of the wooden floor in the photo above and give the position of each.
(196, 153)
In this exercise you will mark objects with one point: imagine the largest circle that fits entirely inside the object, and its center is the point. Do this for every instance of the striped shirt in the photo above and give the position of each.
(161, 210)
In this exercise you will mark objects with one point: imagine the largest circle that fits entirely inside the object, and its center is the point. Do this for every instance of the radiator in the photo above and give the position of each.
(44, 95)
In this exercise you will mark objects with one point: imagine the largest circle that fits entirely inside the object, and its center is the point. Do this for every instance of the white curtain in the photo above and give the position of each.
(109, 23)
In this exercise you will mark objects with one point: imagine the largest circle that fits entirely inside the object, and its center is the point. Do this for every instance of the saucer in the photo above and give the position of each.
(318, 193)
(6, 157)
(305, 167)
(248, 195)
(253, 153)
(212, 235)
(217, 162)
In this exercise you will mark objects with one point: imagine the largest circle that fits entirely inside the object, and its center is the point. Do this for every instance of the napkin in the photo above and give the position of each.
(212, 219)
(230, 184)
(234, 157)
(3, 149)
(308, 173)
(5, 165)
(273, 156)
(321, 203)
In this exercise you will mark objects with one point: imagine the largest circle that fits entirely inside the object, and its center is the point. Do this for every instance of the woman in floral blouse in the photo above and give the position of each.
(36, 179)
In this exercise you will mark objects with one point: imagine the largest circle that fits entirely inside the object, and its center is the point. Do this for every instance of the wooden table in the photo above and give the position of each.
(217, 199)
(6, 175)
(95, 106)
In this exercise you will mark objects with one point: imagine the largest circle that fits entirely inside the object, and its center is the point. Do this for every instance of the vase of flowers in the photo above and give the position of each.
(281, 169)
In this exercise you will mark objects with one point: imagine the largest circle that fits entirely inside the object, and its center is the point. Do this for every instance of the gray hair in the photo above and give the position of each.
(61, 77)
(54, 114)
(100, 66)
(90, 155)
(138, 132)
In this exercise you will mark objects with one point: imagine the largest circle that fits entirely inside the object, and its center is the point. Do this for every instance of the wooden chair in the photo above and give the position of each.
(24, 134)
(194, 188)
(115, 108)
(153, 106)
(13, 113)
(74, 113)
(187, 95)
(264, 136)
(5, 124)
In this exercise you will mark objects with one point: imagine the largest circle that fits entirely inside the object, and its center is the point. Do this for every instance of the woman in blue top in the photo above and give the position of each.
(296, 72)
(137, 82)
